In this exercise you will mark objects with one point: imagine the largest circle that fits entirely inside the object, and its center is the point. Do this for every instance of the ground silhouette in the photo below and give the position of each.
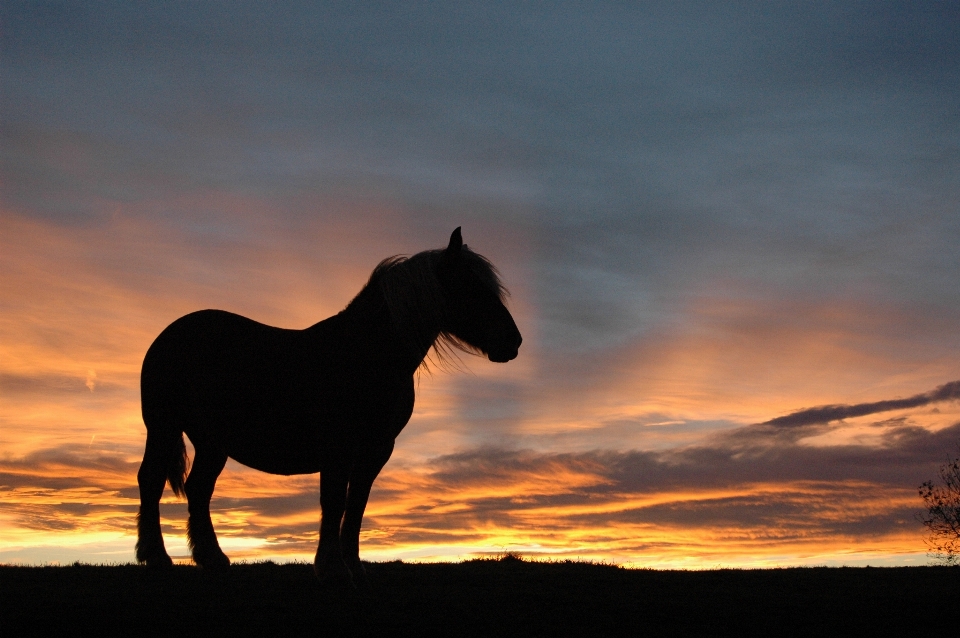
(478, 598)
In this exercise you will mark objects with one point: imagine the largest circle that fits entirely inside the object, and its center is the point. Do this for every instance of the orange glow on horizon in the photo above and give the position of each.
(83, 304)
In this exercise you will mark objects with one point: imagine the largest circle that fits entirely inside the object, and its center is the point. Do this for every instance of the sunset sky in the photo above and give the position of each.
(709, 216)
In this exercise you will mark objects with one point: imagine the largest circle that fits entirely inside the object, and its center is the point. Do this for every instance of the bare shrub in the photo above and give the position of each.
(942, 514)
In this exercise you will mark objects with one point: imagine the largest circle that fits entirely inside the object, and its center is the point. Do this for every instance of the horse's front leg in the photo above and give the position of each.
(328, 564)
(365, 471)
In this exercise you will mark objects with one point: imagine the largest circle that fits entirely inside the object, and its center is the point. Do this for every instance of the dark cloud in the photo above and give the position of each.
(69, 467)
(748, 483)
(70, 489)
(641, 149)
(904, 457)
(747, 479)
(827, 413)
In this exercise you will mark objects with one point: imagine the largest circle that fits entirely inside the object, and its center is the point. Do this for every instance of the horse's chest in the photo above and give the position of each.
(371, 403)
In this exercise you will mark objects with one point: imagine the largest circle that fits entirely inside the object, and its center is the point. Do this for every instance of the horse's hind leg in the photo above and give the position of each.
(328, 563)
(151, 478)
(207, 465)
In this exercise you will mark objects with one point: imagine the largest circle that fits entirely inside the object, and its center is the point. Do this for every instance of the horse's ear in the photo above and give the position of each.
(452, 254)
(456, 241)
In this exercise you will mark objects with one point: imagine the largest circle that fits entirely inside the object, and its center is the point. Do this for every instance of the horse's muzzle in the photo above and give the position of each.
(502, 355)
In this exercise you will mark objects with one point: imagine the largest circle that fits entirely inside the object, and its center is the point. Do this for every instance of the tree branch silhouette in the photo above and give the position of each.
(942, 515)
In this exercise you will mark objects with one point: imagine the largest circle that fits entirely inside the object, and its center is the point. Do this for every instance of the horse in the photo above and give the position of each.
(330, 398)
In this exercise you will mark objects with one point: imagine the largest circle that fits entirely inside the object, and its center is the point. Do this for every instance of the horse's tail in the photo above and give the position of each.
(177, 467)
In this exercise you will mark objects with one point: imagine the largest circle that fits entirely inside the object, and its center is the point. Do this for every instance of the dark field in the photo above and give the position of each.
(479, 598)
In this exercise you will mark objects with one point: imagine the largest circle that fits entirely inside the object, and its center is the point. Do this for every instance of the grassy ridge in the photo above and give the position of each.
(478, 598)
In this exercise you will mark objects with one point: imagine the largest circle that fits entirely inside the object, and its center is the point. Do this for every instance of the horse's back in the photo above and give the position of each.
(213, 343)
(248, 388)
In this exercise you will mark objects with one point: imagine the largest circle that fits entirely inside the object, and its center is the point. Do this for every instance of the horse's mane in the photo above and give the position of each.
(413, 295)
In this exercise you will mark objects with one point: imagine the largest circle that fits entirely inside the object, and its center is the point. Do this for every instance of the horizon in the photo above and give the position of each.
(729, 233)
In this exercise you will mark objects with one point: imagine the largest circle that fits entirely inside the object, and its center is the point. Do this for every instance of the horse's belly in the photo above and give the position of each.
(283, 425)
(268, 444)
(281, 463)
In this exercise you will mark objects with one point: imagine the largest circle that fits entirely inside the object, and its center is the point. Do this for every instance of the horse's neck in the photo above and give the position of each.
(402, 346)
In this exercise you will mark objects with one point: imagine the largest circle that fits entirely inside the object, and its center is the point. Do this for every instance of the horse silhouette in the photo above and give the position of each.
(331, 398)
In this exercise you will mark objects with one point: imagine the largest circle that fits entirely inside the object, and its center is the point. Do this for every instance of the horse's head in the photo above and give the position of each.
(475, 314)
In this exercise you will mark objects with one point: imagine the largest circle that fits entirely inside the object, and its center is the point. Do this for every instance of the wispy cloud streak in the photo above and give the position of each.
(826, 413)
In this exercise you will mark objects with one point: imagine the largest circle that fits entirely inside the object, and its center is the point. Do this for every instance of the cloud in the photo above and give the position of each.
(741, 489)
(746, 490)
(743, 456)
(827, 413)
(642, 151)
(69, 468)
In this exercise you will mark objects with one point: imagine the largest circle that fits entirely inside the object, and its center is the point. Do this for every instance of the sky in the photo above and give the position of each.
(730, 232)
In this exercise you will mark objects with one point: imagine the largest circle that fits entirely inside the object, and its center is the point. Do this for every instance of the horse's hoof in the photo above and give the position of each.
(212, 563)
(360, 580)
